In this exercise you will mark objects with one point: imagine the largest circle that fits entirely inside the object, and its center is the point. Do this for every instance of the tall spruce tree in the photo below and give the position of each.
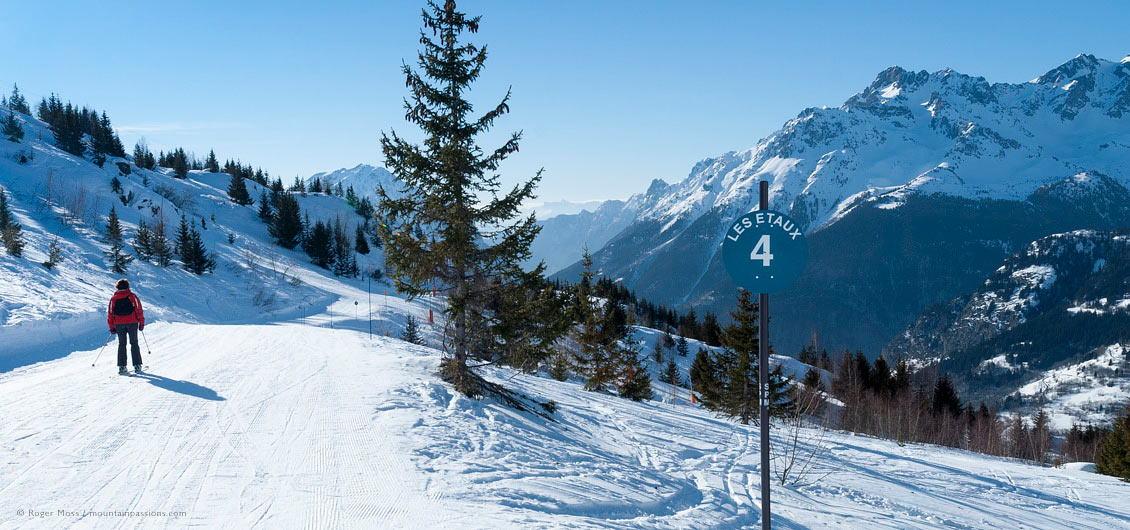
(442, 230)
(119, 260)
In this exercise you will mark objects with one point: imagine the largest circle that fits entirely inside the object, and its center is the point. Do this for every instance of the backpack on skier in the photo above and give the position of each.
(123, 307)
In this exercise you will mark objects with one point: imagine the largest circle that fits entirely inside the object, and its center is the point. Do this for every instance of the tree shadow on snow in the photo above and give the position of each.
(187, 388)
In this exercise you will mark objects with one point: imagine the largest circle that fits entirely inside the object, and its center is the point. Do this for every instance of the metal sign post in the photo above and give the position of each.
(764, 251)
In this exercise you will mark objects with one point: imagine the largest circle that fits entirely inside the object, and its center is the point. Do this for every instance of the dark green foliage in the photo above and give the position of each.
(812, 380)
(298, 186)
(559, 370)
(143, 241)
(116, 185)
(142, 156)
(682, 347)
(213, 165)
(598, 349)
(68, 132)
(705, 381)
(266, 214)
(316, 186)
(945, 397)
(159, 243)
(237, 190)
(178, 161)
(670, 373)
(635, 382)
(728, 381)
(286, 223)
(1114, 452)
(411, 331)
(344, 257)
(444, 230)
(17, 102)
(103, 140)
(54, 253)
(190, 247)
(526, 319)
(11, 233)
(711, 331)
(12, 128)
(319, 245)
(740, 340)
(119, 260)
(362, 241)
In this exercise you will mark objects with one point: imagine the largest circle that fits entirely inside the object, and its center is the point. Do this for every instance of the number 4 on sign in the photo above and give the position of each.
(761, 251)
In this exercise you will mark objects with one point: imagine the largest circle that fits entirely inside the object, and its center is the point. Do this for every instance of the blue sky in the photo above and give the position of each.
(610, 94)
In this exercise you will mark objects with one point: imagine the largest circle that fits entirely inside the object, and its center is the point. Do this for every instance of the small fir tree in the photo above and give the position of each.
(670, 373)
(119, 259)
(265, 212)
(17, 102)
(143, 241)
(286, 223)
(1113, 456)
(162, 250)
(213, 165)
(12, 128)
(683, 348)
(362, 243)
(54, 253)
(237, 190)
(411, 331)
(635, 382)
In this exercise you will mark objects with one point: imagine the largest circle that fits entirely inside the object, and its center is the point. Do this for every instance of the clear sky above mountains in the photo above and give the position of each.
(609, 94)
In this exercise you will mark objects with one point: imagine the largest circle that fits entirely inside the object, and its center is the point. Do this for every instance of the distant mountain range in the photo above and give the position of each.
(912, 192)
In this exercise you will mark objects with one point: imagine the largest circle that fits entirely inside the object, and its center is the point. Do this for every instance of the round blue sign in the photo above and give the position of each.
(764, 251)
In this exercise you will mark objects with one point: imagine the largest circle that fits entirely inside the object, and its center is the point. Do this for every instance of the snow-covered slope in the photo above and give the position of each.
(54, 193)
(290, 425)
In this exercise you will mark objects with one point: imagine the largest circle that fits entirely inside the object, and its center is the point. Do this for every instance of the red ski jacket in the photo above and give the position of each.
(137, 316)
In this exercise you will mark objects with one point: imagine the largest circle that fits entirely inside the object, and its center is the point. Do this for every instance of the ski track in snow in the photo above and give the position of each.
(295, 426)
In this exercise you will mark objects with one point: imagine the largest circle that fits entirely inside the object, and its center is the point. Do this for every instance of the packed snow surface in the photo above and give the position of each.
(286, 425)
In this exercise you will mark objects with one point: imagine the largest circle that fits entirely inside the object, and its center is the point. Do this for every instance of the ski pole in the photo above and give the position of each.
(99, 356)
(148, 350)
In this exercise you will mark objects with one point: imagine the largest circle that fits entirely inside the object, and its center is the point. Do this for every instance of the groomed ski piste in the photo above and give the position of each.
(268, 404)
(288, 425)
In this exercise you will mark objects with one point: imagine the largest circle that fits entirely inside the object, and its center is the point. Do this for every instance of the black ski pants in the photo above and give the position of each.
(131, 330)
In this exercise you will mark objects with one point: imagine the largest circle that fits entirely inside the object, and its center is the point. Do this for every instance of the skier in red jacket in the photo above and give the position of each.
(125, 317)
